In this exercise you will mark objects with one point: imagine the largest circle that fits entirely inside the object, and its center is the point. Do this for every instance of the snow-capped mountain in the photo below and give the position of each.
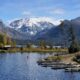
(36, 29)
(33, 25)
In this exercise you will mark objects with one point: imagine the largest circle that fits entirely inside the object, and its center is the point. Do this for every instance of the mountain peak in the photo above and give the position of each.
(33, 25)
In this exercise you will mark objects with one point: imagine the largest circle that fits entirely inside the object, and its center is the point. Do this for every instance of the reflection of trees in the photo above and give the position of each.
(69, 76)
(44, 55)
(41, 55)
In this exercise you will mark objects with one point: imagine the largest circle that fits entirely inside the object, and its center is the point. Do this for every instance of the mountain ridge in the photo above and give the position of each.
(51, 33)
(33, 25)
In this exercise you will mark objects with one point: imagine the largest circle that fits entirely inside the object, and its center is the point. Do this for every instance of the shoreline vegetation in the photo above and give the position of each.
(9, 45)
(22, 49)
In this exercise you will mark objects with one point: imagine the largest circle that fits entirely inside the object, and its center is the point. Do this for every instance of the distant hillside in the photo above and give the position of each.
(60, 34)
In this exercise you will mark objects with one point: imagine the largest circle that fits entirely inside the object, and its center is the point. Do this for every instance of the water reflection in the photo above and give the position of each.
(24, 67)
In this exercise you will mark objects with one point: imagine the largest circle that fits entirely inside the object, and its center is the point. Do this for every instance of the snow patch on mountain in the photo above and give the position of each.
(33, 25)
(44, 19)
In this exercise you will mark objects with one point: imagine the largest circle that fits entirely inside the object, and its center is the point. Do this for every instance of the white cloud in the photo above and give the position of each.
(57, 11)
(26, 13)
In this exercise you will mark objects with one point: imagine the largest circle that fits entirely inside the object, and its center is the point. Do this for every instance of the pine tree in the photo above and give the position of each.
(29, 45)
(74, 47)
(5, 39)
(42, 44)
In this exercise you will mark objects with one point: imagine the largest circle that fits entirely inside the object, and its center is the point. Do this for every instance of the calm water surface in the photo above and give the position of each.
(24, 67)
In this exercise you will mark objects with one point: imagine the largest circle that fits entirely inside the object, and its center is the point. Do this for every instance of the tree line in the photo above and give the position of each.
(6, 40)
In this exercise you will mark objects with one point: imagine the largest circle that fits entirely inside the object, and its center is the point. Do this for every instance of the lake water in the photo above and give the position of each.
(17, 66)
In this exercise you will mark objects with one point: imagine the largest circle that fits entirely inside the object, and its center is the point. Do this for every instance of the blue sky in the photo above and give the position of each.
(58, 9)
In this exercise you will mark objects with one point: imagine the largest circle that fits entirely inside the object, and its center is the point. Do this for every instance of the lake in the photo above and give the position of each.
(23, 66)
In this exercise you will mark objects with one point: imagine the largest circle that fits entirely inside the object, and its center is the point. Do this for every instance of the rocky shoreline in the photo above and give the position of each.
(57, 63)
